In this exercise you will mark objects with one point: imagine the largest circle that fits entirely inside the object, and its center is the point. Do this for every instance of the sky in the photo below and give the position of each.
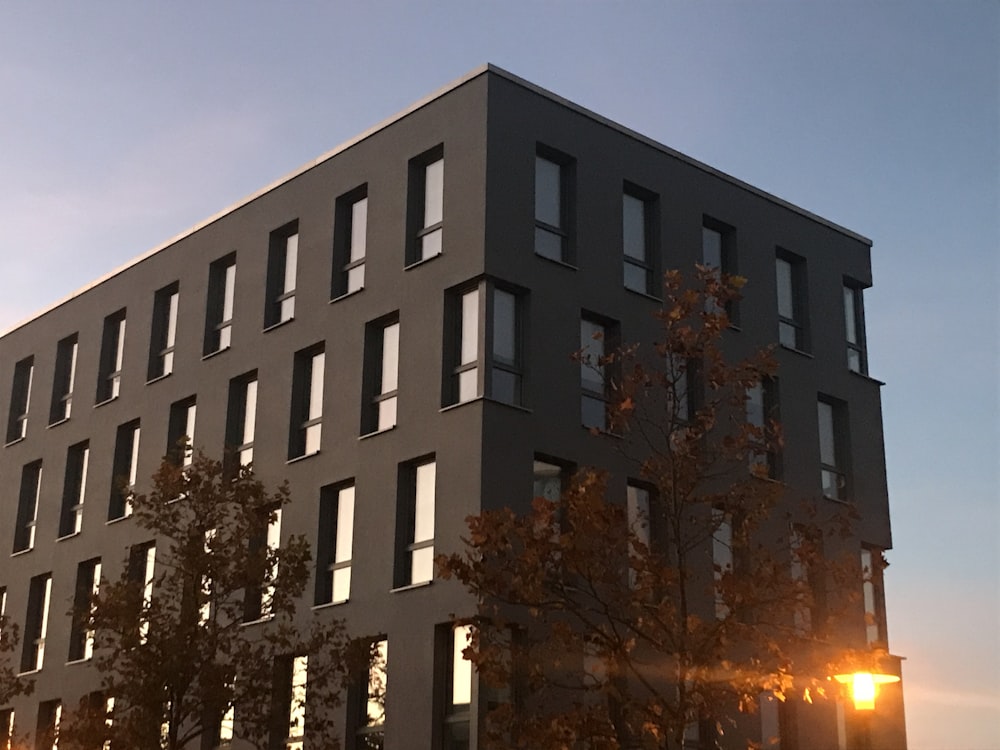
(124, 123)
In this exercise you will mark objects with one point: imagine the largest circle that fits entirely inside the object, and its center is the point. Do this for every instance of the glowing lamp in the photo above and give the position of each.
(864, 687)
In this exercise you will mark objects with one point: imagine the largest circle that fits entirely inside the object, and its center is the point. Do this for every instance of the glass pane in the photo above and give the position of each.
(291, 262)
(423, 510)
(341, 584)
(755, 405)
(548, 192)
(634, 227)
(637, 503)
(593, 412)
(854, 360)
(345, 525)
(430, 244)
(506, 386)
(461, 677)
(827, 445)
(504, 326)
(422, 566)
(225, 337)
(788, 335)
(433, 193)
(250, 412)
(470, 327)
(377, 678)
(316, 371)
(833, 484)
(636, 278)
(297, 702)
(287, 309)
(133, 460)
(246, 456)
(711, 248)
(313, 434)
(547, 480)
(359, 229)
(592, 346)
(167, 366)
(229, 289)
(356, 279)
(171, 326)
(390, 358)
(387, 413)
(468, 384)
(850, 317)
(548, 244)
(786, 300)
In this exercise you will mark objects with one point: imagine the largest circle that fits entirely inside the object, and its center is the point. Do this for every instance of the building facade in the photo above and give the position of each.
(389, 329)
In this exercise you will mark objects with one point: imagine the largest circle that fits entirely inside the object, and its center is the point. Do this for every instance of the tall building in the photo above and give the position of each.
(389, 329)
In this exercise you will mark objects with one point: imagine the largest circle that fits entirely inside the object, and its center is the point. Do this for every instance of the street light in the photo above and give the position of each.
(864, 687)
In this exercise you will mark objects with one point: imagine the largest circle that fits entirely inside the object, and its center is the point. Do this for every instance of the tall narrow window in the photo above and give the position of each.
(219, 306)
(306, 426)
(20, 395)
(553, 184)
(832, 448)
(722, 558)
(140, 571)
(457, 688)
(350, 242)
(47, 728)
(27, 507)
(381, 378)
(415, 523)
(597, 338)
(180, 431)
(467, 369)
(793, 328)
(74, 489)
(36, 622)
(334, 549)
(549, 479)
(806, 554)
(762, 411)
(63, 380)
(291, 676)
(426, 206)
(854, 320)
(639, 525)
(109, 376)
(163, 336)
(125, 470)
(282, 262)
(873, 590)
(368, 699)
(241, 419)
(259, 598)
(81, 634)
(6, 729)
(718, 250)
(638, 213)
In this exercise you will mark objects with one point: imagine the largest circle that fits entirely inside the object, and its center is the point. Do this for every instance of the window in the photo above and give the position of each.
(140, 572)
(381, 375)
(415, 522)
(125, 470)
(762, 406)
(180, 431)
(597, 340)
(291, 678)
(6, 729)
(497, 330)
(549, 479)
(163, 336)
(241, 419)
(833, 448)
(367, 701)
(639, 524)
(74, 489)
(638, 227)
(109, 376)
(426, 206)
(873, 589)
(36, 622)
(334, 547)
(27, 507)
(553, 186)
(854, 320)
(20, 395)
(722, 558)
(47, 729)
(259, 597)
(306, 425)
(64, 380)
(81, 634)
(806, 554)
(350, 242)
(718, 250)
(792, 308)
(219, 307)
(282, 261)
(456, 686)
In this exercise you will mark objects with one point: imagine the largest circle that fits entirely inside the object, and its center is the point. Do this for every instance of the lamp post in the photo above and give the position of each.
(864, 689)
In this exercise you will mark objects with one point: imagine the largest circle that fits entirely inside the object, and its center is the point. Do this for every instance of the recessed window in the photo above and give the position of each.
(125, 470)
(36, 622)
(722, 558)
(282, 263)
(259, 598)
(64, 380)
(762, 405)
(307, 402)
(74, 489)
(163, 336)
(793, 329)
(456, 685)
(367, 699)
(291, 678)
(549, 478)
(873, 591)
(109, 376)
(27, 507)
(334, 548)
(20, 395)
(241, 420)
(180, 431)
(638, 230)
(718, 250)
(47, 728)
(350, 242)
(854, 320)
(81, 634)
(806, 553)
(219, 305)
(426, 206)
(381, 377)
(597, 339)
(415, 522)
(553, 205)
(832, 419)
(7, 728)
(639, 523)
(140, 572)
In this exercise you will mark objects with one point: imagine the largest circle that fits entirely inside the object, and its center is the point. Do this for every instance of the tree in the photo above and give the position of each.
(652, 623)
(171, 637)
(11, 685)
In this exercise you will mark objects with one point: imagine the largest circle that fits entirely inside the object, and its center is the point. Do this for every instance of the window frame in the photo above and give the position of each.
(728, 257)
(82, 633)
(416, 513)
(64, 379)
(163, 331)
(565, 229)
(74, 489)
(610, 331)
(335, 543)
(835, 445)
(854, 313)
(29, 495)
(347, 262)
(792, 322)
(282, 273)
(305, 430)
(649, 241)
(420, 225)
(125, 465)
(36, 621)
(243, 391)
(220, 305)
(112, 360)
(380, 403)
(20, 399)
(181, 426)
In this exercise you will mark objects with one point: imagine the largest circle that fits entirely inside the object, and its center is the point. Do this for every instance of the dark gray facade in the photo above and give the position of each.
(489, 127)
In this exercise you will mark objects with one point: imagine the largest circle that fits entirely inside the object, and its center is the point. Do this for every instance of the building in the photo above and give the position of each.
(389, 329)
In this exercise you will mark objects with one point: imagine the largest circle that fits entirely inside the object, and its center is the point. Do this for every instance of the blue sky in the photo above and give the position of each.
(124, 123)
